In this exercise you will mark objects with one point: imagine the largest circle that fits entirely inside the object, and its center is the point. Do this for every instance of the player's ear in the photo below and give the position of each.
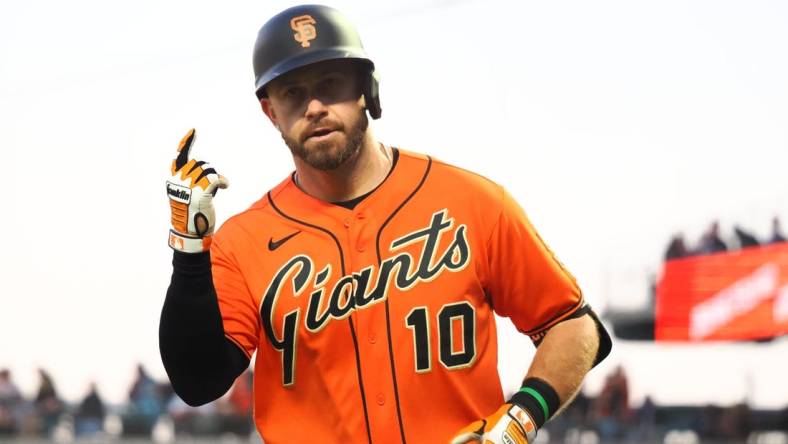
(268, 109)
(362, 101)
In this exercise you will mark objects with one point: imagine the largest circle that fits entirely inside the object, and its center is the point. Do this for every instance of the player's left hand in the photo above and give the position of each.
(510, 424)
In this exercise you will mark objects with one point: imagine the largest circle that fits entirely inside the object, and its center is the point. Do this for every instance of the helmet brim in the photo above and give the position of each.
(285, 66)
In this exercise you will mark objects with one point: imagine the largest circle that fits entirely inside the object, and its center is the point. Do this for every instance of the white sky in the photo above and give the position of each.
(615, 123)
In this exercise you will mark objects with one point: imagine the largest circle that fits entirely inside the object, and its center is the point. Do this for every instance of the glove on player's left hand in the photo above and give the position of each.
(510, 424)
(191, 189)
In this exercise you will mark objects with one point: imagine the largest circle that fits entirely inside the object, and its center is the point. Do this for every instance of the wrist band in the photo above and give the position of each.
(538, 398)
(189, 244)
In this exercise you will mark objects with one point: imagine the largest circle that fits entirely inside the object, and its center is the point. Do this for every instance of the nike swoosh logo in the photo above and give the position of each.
(274, 245)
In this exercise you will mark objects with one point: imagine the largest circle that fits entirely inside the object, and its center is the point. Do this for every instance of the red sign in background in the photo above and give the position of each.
(724, 296)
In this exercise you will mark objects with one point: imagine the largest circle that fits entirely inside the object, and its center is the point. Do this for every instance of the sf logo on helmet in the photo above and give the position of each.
(304, 26)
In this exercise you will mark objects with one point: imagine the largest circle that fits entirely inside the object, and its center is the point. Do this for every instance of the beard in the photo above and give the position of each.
(326, 155)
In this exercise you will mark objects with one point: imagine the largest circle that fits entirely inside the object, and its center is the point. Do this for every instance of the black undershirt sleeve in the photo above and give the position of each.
(201, 362)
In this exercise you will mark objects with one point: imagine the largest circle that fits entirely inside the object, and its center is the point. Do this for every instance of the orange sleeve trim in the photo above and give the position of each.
(238, 343)
(556, 320)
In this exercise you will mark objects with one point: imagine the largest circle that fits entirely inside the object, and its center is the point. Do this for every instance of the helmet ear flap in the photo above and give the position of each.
(371, 90)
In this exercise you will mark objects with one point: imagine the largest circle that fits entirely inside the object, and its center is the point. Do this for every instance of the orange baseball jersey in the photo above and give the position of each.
(375, 325)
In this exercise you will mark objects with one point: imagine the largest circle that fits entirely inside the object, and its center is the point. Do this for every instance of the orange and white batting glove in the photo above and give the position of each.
(510, 424)
(191, 189)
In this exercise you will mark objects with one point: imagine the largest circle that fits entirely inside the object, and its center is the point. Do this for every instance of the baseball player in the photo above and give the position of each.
(365, 283)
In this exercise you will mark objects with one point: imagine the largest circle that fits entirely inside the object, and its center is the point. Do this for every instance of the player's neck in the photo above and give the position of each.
(354, 178)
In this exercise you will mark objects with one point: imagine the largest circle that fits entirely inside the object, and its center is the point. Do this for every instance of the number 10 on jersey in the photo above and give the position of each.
(450, 355)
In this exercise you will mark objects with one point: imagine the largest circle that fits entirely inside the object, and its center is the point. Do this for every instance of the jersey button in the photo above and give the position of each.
(380, 399)
(373, 338)
(360, 248)
(347, 222)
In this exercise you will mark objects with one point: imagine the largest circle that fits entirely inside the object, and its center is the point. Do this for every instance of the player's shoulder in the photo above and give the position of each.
(445, 175)
(255, 218)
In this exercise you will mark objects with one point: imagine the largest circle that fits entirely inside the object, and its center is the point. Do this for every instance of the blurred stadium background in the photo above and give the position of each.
(647, 141)
(732, 290)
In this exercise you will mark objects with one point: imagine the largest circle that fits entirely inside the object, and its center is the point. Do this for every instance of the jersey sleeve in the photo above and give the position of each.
(239, 313)
(526, 282)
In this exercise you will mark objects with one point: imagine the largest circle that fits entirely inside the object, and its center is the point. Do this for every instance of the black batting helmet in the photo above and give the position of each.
(308, 34)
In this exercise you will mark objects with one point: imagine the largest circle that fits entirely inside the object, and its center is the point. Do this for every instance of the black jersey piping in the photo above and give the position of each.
(388, 319)
(350, 318)
(240, 347)
(563, 316)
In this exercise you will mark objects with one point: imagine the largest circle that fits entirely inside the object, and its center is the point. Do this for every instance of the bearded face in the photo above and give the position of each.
(326, 145)
(319, 111)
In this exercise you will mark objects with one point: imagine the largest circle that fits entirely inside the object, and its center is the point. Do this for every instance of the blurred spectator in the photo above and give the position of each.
(10, 402)
(707, 422)
(144, 394)
(610, 410)
(745, 239)
(676, 248)
(193, 421)
(573, 420)
(735, 423)
(777, 232)
(784, 419)
(89, 418)
(711, 242)
(145, 407)
(645, 427)
(241, 397)
(48, 405)
(236, 409)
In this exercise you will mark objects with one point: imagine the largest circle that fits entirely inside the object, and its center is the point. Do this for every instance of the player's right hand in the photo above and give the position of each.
(191, 188)
(510, 424)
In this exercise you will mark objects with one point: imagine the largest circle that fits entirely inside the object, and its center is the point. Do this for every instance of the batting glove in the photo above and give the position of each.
(191, 189)
(510, 424)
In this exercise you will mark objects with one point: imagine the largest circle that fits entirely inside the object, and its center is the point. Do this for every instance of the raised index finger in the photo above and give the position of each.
(183, 150)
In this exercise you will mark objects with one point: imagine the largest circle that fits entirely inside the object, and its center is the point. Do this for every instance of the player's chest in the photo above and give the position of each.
(324, 273)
